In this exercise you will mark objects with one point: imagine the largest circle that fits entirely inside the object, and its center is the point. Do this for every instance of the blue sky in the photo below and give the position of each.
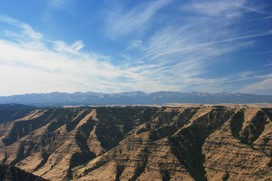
(127, 45)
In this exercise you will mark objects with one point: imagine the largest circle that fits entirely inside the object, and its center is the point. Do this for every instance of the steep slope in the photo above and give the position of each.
(234, 150)
(142, 143)
(9, 112)
(9, 173)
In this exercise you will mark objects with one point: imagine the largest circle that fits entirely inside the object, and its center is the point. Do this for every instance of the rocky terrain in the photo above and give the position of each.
(141, 143)
(9, 173)
(10, 112)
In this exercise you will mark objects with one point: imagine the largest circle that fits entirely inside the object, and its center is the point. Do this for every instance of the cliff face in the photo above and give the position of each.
(142, 143)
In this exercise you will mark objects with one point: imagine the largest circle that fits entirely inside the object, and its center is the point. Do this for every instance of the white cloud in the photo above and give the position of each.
(28, 68)
(61, 46)
(262, 87)
(57, 66)
(224, 8)
(26, 31)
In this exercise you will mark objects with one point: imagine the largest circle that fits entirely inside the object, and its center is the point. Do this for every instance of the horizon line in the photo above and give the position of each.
(112, 93)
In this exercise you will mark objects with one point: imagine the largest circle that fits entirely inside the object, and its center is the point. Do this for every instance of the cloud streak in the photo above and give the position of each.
(26, 31)
(120, 22)
(224, 8)
(263, 86)
(185, 52)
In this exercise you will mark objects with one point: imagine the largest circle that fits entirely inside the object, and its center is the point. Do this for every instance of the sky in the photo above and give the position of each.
(126, 45)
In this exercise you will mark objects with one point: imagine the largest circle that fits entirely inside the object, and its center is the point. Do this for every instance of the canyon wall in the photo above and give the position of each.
(141, 143)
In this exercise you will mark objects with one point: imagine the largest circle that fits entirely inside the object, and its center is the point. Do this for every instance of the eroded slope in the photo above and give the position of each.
(142, 143)
(10, 173)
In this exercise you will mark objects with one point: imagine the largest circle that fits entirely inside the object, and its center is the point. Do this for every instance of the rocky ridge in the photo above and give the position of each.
(141, 143)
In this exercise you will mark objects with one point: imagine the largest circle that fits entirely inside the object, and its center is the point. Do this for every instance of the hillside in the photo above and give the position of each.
(10, 112)
(141, 143)
(9, 173)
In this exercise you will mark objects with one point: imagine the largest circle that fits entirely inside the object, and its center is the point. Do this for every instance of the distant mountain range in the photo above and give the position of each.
(131, 98)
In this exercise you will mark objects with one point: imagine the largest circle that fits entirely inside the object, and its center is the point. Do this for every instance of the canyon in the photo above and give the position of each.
(181, 142)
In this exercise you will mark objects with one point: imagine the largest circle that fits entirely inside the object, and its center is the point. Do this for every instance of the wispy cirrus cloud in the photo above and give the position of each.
(61, 46)
(26, 31)
(223, 8)
(121, 22)
(262, 87)
(183, 53)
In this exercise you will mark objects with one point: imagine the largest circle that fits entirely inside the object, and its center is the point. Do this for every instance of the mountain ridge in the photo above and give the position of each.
(131, 98)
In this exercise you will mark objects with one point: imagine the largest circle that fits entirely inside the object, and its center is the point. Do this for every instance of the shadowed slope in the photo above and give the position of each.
(9, 173)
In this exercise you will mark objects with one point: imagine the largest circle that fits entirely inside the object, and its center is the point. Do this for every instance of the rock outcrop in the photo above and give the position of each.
(141, 143)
